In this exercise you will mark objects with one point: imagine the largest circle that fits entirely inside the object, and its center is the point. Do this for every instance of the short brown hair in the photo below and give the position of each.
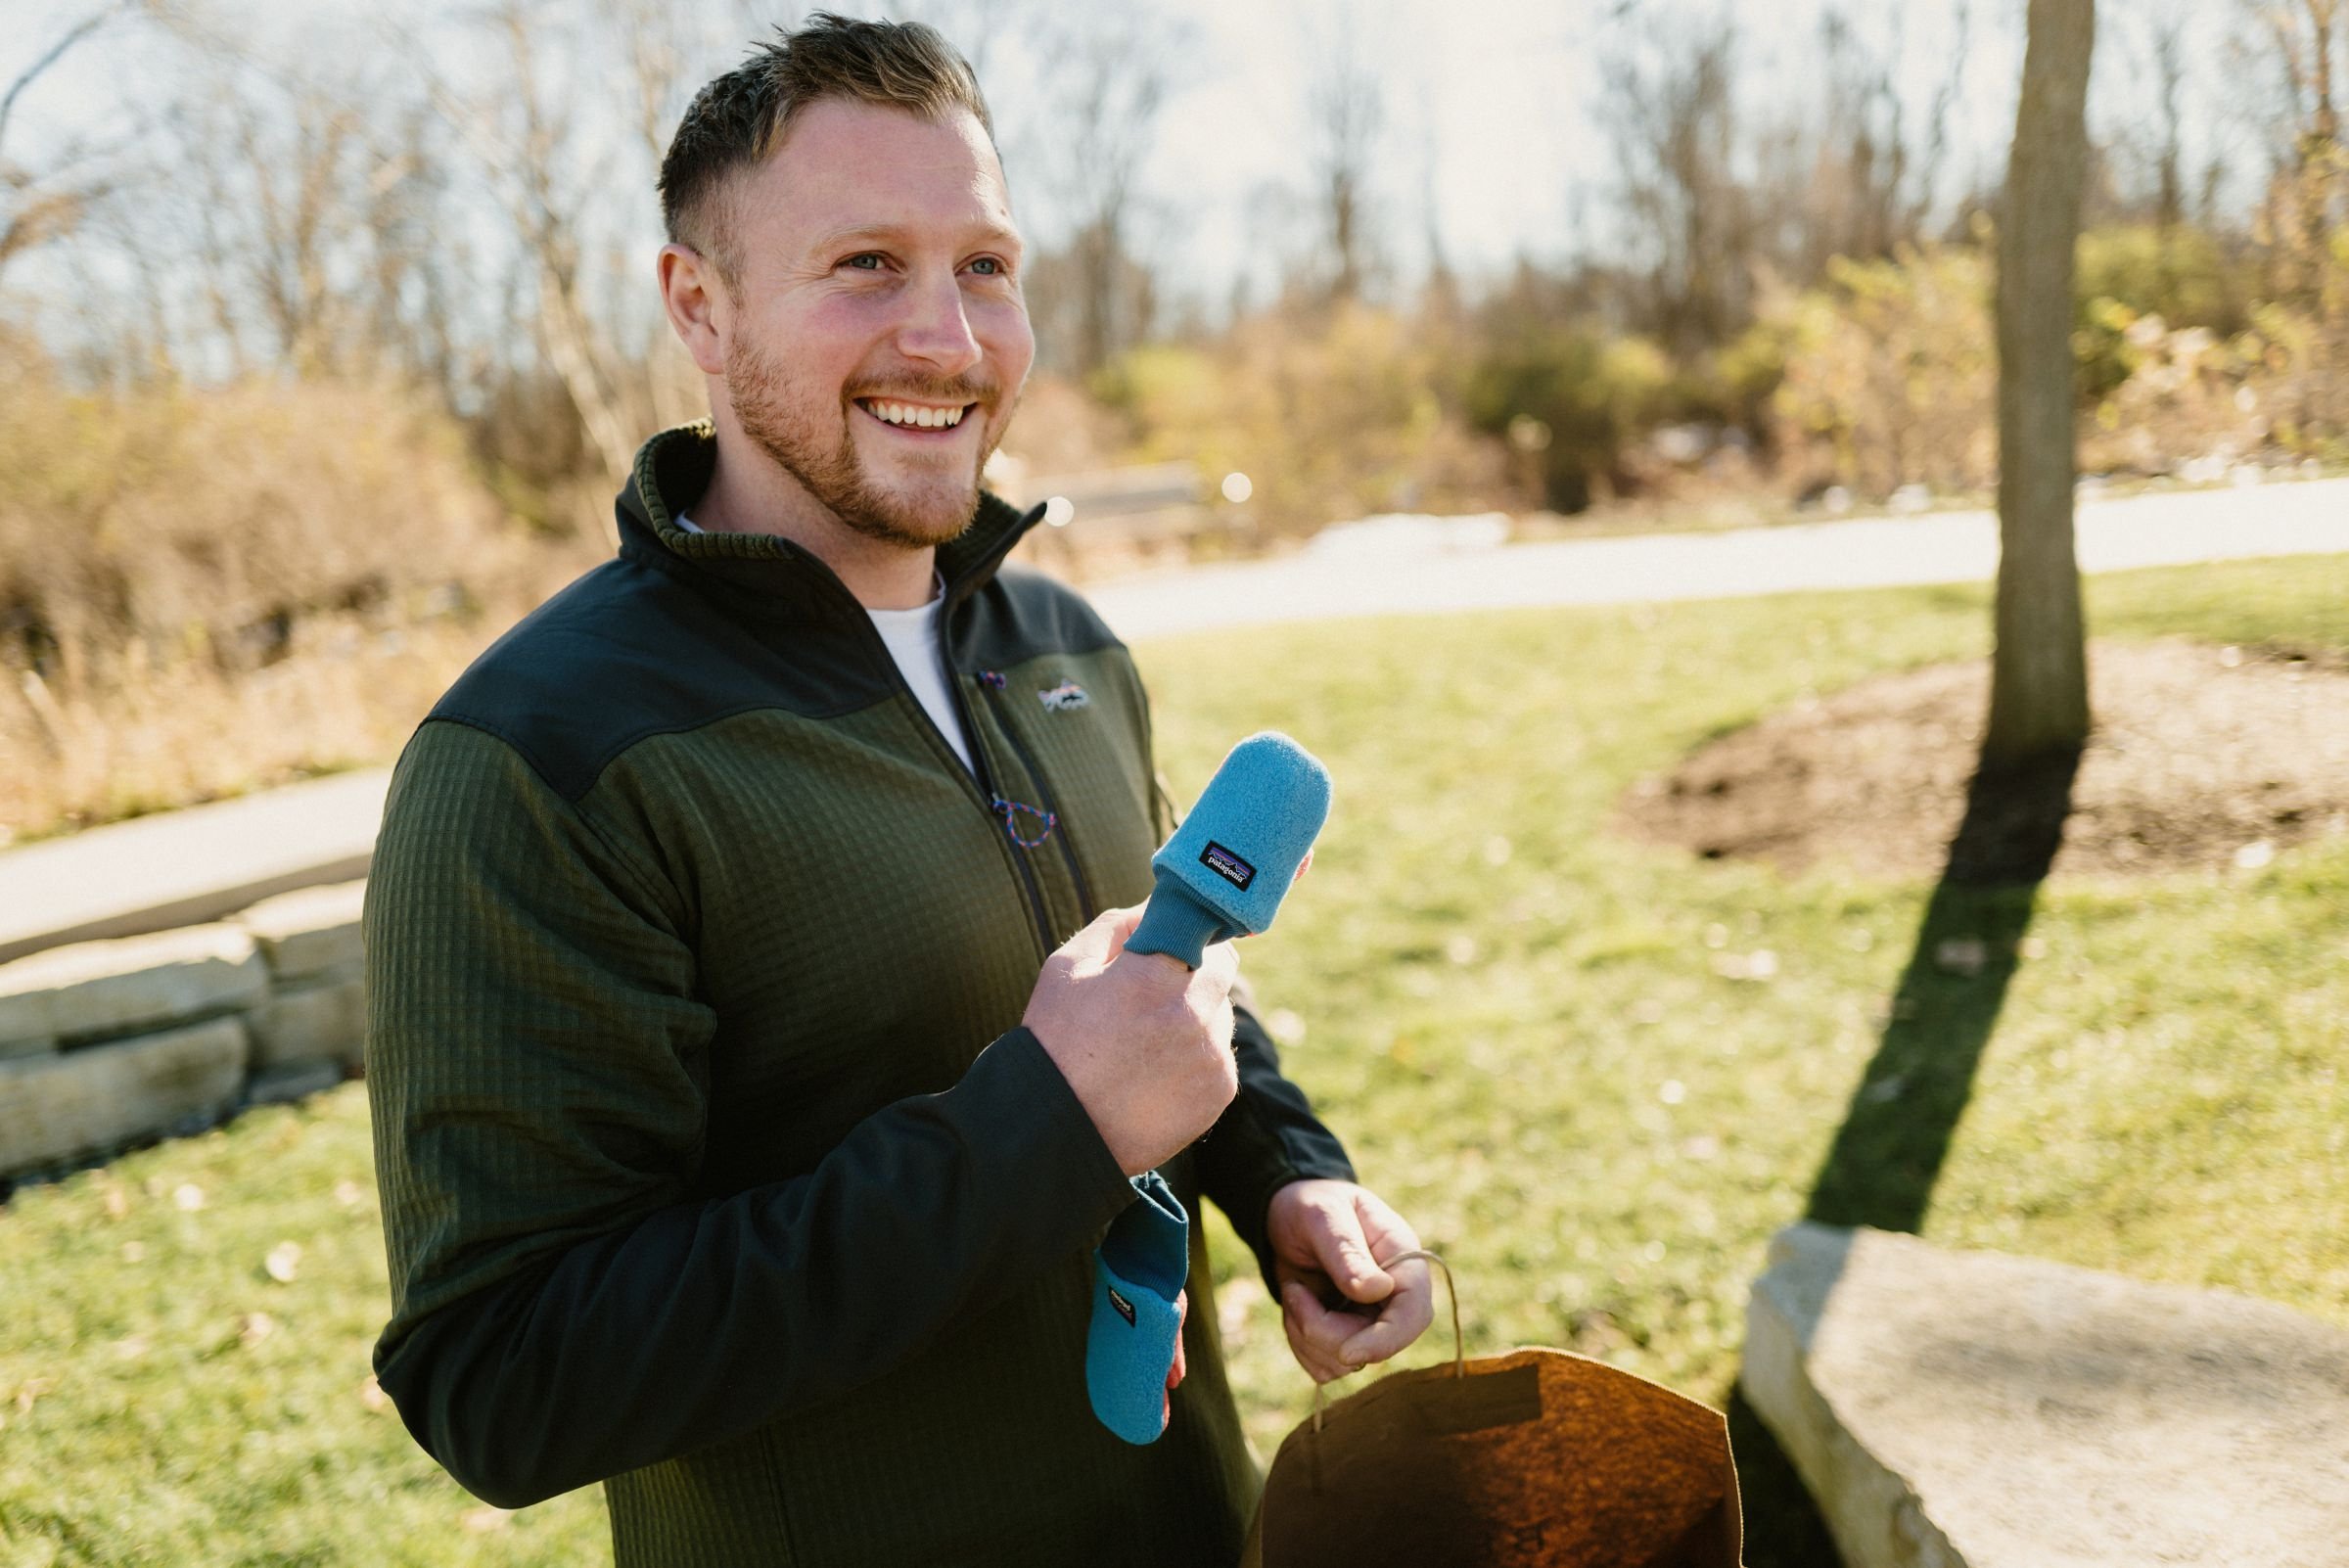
(738, 119)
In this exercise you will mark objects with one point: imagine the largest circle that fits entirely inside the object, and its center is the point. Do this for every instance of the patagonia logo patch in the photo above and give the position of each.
(1227, 866)
(1067, 697)
(1125, 1308)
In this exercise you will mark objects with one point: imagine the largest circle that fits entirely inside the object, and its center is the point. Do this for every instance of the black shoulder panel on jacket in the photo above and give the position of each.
(629, 651)
(1020, 614)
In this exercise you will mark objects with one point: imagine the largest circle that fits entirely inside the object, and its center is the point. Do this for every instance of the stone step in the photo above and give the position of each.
(91, 989)
(310, 932)
(322, 1016)
(1970, 1410)
(85, 1101)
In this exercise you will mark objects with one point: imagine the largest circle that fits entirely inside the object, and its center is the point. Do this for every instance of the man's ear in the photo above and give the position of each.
(695, 295)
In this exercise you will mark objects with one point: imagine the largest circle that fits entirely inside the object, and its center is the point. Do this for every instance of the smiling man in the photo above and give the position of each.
(754, 1056)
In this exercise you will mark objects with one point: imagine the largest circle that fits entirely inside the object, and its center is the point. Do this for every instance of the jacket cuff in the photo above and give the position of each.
(1016, 1083)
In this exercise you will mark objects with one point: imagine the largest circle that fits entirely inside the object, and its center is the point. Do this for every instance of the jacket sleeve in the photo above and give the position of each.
(1266, 1138)
(562, 1309)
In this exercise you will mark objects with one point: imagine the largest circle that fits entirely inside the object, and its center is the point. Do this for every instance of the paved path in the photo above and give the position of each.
(208, 860)
(176, 868)
(2176, 529)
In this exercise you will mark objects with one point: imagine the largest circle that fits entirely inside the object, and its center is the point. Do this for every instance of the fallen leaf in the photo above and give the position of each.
(1885, 1090)
(117, 1205)
(485, 1518)
(188, 1197)
(349, 1193)
(257, 1327)
(372, 1395)
(1960, 955)
(283, 1261)
(1760, 964)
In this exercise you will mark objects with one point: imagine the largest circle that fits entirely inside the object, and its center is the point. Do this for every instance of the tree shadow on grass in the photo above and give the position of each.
(1887, 1155)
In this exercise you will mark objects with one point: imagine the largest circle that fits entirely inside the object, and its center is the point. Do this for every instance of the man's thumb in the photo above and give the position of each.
(1116, 925)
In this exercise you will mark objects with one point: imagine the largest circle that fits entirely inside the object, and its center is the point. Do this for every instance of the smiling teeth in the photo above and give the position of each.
(916, 415)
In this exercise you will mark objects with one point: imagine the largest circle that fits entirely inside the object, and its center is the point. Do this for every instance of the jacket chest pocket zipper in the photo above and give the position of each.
(995, 684)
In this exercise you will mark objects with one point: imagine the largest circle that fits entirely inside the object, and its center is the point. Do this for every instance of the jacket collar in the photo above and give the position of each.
(671, 471)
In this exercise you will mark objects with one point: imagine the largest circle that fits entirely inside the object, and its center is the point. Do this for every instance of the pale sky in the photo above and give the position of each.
(1488, 105)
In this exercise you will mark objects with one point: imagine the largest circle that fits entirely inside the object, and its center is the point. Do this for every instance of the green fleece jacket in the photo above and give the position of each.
(716, 1165)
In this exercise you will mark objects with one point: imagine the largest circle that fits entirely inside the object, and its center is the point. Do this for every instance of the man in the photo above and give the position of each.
(754, 1060)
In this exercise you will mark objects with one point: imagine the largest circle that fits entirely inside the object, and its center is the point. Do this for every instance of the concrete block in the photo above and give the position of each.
(1967, 1409)
(96, 1098)
(308, 932)
(327, 1016)
(293, 1080)
(91, 989)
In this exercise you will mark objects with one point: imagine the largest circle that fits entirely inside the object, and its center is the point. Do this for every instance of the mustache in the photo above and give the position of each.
(956, 390)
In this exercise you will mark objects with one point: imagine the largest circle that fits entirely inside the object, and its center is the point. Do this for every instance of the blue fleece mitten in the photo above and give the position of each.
(1226, 870)
(1137, 1273)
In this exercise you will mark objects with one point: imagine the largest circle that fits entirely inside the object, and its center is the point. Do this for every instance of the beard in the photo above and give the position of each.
(817, 447)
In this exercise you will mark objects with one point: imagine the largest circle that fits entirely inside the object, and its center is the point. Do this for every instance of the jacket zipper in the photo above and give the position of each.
(1020, 852)
(1068, 850)
(987, 793)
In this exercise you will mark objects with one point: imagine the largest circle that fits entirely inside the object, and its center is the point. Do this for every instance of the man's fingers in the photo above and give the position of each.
(1344, 1253)
(1182, 1317)
(1327, 1330)
(1115, 926)
(1219, 964)
(1313, 1339)
(1402, 1319)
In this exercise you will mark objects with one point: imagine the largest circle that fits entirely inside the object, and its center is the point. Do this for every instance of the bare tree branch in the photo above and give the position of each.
(53, 54)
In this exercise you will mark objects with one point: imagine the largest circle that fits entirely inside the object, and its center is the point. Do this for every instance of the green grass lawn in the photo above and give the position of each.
(1520, 1023)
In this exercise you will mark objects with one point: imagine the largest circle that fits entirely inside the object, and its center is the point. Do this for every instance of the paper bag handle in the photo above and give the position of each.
(1460, 1356)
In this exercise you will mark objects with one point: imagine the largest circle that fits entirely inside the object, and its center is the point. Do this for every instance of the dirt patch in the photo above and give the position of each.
(2202, 756)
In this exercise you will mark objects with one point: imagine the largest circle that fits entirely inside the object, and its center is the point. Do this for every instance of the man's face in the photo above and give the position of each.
(878, 338)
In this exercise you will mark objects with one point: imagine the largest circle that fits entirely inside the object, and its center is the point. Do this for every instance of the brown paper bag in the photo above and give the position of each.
(1533, 1460)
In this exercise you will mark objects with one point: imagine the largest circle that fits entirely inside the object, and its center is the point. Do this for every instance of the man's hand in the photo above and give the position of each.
(1327, 1237)
(1145, 1042)
(1182, 1320)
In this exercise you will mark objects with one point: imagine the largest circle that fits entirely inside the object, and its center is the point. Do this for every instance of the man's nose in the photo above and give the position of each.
(936, 331)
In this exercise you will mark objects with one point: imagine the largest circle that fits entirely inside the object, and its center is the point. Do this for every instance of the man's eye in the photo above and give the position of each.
(988, 266)
(867, 262)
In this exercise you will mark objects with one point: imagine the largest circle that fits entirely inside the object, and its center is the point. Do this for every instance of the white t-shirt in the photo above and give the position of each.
(913, 640)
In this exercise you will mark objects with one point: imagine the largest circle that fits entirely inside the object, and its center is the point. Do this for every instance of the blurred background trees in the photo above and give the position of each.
(418, 236)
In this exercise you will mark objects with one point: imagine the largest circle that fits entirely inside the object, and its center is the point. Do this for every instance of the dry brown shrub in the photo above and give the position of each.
(201, 590)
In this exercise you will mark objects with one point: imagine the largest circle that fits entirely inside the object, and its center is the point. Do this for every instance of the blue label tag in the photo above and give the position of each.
(1227, 866)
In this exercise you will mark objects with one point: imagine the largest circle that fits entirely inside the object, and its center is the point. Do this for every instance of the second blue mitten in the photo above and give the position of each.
(1130, 1346)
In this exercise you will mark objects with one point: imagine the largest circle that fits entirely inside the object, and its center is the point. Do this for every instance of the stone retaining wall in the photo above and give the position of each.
(105, 1043)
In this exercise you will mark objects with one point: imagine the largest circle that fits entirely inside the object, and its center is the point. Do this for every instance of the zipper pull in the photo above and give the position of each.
(1009, 811)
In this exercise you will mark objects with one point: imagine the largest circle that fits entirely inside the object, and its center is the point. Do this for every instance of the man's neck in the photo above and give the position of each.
(752, 495)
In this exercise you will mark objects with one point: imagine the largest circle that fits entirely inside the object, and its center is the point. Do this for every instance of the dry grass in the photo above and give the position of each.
(206, 592)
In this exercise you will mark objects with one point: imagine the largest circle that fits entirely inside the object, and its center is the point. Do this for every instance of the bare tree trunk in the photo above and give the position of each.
(2038, 676)
(1348, 113)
